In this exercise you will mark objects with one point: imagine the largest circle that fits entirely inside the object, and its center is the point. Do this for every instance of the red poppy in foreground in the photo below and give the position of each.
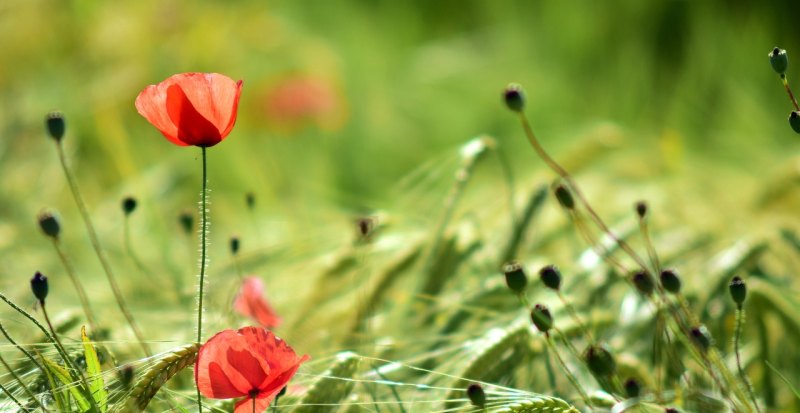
(250, 302)
(250, 363)
(192, 108)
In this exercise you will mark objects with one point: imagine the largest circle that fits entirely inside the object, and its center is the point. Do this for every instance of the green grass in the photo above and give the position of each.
(672, 102)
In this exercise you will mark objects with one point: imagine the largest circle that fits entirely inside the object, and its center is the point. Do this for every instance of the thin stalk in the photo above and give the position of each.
(569, 374)
(203, 234)
(87, 309)
(73, 186)
(789, 92)
(651, 250)
(14, 399)
(575, 317)
(736, 340)
(22, 384)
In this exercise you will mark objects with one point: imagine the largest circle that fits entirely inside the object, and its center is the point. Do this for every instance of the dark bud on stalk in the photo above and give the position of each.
(641, 209)
(128, 205)
(126, 374)
(738, 290)
(794, 121)
(670, 281)
(235, 245)
(49, 224)
(643, 282)
(39, 287)
(364, 226)
(55, 125)
(600, 361)
(551, 277)
(779, 60)
(541, 318)
(186, 220)
(514, 97)
(671, 410)
(281, 393)
(250, 200)
(701, 337)
(632, 388)
(564, 197)
(476, 395)
(516, 279)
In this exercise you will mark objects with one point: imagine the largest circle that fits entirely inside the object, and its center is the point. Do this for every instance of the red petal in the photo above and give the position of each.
(276, 352)
(250, 302)
(151, 103)
(213, 373)
(246, 405)
(193, 128)
(215, 96)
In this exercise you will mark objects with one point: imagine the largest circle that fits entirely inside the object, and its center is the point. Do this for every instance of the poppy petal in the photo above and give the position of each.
(214, 375)
(246, 405)
(215, 96)
(193, 128)
(248, 366)
(250, 302)
(278, 354)
(150, 104)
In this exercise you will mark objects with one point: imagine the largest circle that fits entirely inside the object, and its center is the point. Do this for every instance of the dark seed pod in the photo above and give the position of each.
(56, 126)
(516, 279)
(476, 395)
(551, 277)
(670, 281)
(794, 121)
(49, 224)
(250, 200)
(39, 287)
(235, 244)
(738, 290)
(643, 282)
(641, 209)
(564, 197)
(632, 388)
(779, 60)
(514, 97)
(540, 315)
(186, 220)
(671, 410)
(128, 205)
(600, 361)
(126, 374)
(701, 337)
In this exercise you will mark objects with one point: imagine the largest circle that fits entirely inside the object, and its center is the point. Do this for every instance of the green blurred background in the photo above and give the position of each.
(672, 101)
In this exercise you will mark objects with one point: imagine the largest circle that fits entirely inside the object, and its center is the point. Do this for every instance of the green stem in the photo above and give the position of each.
(112, 281)
(87, 310)
(203, 231)
(14, 399)
(569, 374)
(22, 384)
(736, 339)
(789, 92)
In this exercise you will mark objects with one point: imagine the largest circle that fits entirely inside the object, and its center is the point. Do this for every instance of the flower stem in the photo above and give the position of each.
(112, 281)
(203, 231)
(736, 340)
(87, 310)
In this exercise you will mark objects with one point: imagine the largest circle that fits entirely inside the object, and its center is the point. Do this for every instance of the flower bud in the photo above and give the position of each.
(632, 388)
(39, 287)
(516, 279)
(234, 245)
(641, 209)
(670, 281)
(779, 60)
(128, 205)
(738, 290)
(56, 126)
(476, 395)
(49, 224)
(600, 361)
(514, 97)
(794, 121)
(126, 374)
(551, 277)
(564, 197)
(541, 318)
(701, 337)
(250, 200)
(186, 220)
(643, 282)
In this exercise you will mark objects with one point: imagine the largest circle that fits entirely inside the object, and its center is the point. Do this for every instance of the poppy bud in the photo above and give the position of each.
(126, 376)
(541, 318)
(641, 209)
(551, 277)
(514, 97)
(476, 395)
(671, 410)
(39, 287)
(670, 281)
(738, 290)
(128, 205)
(701, 337)
(779, 60)
(250, 200)
(234, 245)
(600, 361)
(643, 282)
(564, 197)
(632, 388)
(55, 125)
(186, 220)
(794, 121)
(515, 276)
(49, 224)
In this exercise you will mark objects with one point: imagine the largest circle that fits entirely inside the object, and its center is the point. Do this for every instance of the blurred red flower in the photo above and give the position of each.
(192, 108)
(250, 363)
(250, 302)
(298, 101)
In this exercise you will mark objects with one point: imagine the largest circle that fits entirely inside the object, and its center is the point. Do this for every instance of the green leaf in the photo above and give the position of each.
(59, 393)
(95, 377)
(62, 376)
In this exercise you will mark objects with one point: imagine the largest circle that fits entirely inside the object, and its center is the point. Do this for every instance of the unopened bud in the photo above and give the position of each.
(738, 290)
(564, 197)
(250, 200)
(516, 279)
(779, 60)
(235, 245)
(794, 121)
(541, 318)
(514, 97)
(49, 224)
(39, 287)
(670, 281)
(600, 361)
(641, 209)
(632, 388)
(476, 395)
(186, 220)
(701, 337)
(551, 277)
(128, 205)
(643, 282)
(56, 126)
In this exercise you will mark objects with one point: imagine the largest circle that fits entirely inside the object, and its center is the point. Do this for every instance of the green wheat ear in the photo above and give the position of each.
(332, 386)
(540, 404)
(159, 373)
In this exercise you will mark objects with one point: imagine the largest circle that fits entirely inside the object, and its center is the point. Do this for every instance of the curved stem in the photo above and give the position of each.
(789, 92)
(87, 310)
(736, 339)
(112, 281)
(203, 231)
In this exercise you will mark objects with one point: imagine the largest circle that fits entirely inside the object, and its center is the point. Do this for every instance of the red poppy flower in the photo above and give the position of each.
(250, 302)
(250, 363)
(192, 108)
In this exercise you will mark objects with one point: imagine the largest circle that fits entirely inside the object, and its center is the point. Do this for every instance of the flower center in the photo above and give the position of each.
(253, 393)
